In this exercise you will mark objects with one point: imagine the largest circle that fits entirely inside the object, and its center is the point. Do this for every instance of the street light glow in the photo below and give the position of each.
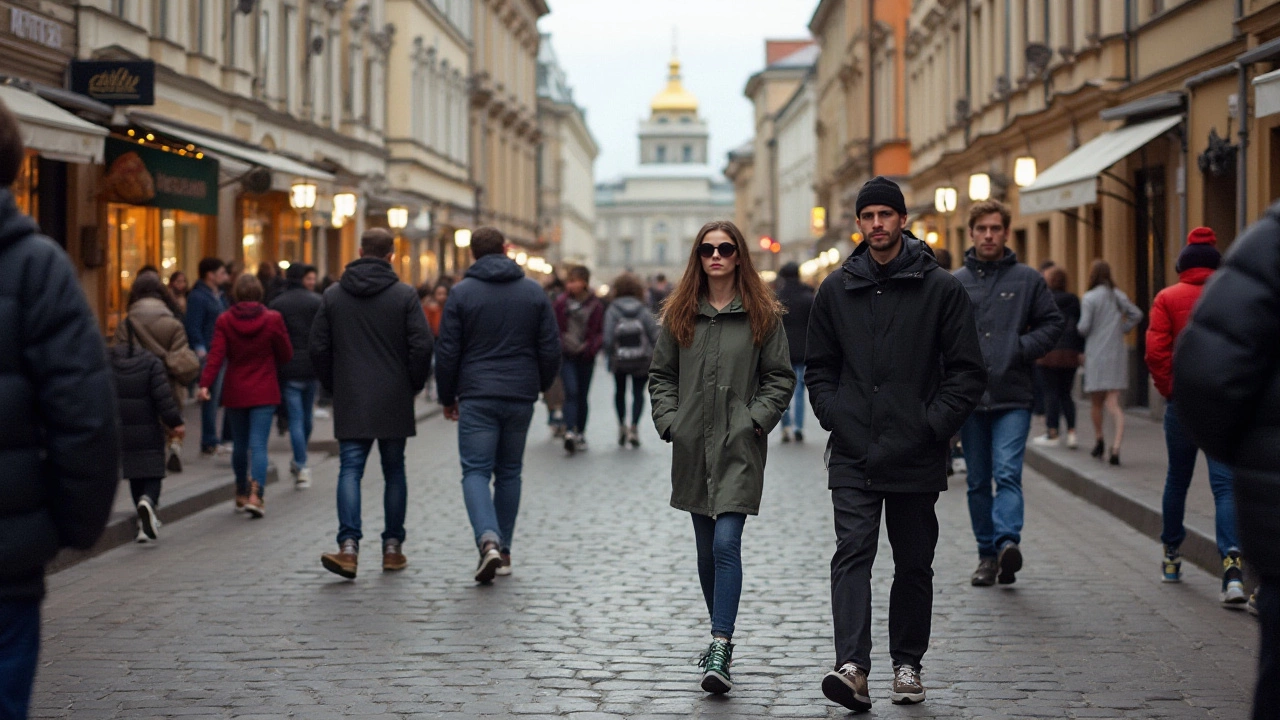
(397, 217)
(462, 238)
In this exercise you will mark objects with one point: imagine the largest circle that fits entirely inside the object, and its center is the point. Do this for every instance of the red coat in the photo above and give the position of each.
(254, 343)
(1169, 314)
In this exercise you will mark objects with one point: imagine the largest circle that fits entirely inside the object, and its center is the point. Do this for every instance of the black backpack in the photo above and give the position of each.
(632, 351)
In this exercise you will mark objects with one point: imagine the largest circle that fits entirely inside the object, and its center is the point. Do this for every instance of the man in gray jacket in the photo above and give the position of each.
(1018, 323)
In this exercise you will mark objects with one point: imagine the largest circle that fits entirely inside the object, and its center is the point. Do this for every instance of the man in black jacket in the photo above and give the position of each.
(894, 368)
(1226, 377)
(1018, 323)
(371, 347)
(298, 304)
(797, 298)
(499, 348)
(59, 442)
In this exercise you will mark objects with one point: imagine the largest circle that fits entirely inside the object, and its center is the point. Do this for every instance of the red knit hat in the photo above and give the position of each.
(1202, 236)
(1201, 251)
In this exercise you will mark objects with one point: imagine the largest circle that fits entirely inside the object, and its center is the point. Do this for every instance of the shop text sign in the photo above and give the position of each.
(36, 28)
(115, 82)
(141, 175)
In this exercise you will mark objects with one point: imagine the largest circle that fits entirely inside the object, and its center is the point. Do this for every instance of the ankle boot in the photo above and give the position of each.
(255, 505)
(344, 561)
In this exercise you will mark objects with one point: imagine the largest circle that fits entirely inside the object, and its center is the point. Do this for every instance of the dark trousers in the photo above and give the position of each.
(1266, 699)
(19, 650)
(913, 534)
(150, 487)
(1058, 383)
(1038, 390)
(576, 373)
(638, 386)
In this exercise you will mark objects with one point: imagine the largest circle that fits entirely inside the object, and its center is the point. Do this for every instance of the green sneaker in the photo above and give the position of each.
(715, 663)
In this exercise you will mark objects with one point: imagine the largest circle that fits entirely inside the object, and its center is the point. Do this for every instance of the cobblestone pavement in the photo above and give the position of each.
(227, 617)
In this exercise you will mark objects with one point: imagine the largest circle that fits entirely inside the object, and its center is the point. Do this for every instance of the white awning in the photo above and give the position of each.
(1073, 180)
(288, 167)
(1266, 94)
(51, 131)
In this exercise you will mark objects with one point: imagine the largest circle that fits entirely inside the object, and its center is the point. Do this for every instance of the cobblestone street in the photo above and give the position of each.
(227, 617)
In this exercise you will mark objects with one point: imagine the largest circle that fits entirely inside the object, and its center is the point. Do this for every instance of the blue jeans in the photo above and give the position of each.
(1182, 464)
(353, 454)
(19, 649)
(576, 374)
(719, 541)
(250, 430)
(300, 397)
(797, 401)
(491, 438)
(994, 443)
(209, 436)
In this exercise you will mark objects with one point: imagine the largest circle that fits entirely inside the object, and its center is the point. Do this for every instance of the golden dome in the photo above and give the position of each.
(674, 98)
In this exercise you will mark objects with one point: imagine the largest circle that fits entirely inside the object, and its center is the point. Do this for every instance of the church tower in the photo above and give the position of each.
(673, 134)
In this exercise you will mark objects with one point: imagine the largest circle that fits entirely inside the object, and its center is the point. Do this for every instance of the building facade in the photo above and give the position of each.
(566, 167)
(799, 222)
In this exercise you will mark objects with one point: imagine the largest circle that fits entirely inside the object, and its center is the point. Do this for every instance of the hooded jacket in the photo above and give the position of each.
(298, 307)
(254, 343)
(893, 369)
(498, 336)
(59, 441)
(798, 299)
(157, 329)
(145, 400)
(1170, 312)
(371, 347)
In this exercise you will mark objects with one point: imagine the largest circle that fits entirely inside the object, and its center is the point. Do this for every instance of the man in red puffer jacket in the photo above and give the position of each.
(1169, 315)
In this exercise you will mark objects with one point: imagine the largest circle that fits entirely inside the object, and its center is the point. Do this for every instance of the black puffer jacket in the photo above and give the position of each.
(893, 369)
(145, 400)
(1018, 323)
(798, 299)
(298, 306)
(1226, 376)
(59, 446)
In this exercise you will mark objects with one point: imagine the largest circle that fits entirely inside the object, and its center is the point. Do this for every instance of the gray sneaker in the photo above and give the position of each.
(848, 687)
(907, 686)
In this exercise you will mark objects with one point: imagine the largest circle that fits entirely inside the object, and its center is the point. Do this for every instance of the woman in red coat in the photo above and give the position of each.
(254, 343)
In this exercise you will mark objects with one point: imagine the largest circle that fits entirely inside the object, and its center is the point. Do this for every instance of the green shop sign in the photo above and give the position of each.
(142, 175)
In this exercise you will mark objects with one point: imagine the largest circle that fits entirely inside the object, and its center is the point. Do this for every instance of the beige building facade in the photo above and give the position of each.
(566, 168)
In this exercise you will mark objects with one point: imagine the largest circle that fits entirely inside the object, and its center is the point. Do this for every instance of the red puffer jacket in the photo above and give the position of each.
(1169, 314)
(254, 343)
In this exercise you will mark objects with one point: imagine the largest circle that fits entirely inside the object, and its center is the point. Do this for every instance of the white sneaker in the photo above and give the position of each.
(224, 450)
(142, 537)
(1072, 443)
(320, 413)
(302, 479)
(1046, 441)
(958, 466)
(148, 522)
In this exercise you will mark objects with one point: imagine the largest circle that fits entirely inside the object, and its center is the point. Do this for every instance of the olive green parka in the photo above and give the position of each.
(709, 398)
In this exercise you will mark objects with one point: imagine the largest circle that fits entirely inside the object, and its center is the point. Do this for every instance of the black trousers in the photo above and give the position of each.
(1266, 699)
(913, 534)
(639, 385)
(1057, 396)
(150, 487)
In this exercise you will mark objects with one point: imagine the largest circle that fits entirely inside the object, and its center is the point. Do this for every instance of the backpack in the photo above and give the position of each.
(632, 350)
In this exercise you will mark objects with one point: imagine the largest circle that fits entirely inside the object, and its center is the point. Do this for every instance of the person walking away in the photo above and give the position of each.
(59, 434)
(553, 398)
(797, 298)
(580, 315)
(298, 305)
(178, 288)
(371, 347)
(1017, 323)
(433, 305)
(659, 291)
(1170, 312)
(630, 333)
(1226, 382)
(893, 368)
(499, 348)
(205, 303)
(1058, 367)
(1106, 316)
(720, 380)
(272, 283)
(254, 343)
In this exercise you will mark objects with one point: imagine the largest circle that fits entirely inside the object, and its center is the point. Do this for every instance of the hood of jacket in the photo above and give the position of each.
(1195, 276)
(628, 305)
(912, 263)
(14, 226)
(495, 268)
(972, 262)
(735, 306)
(247, 319)
(368, 276)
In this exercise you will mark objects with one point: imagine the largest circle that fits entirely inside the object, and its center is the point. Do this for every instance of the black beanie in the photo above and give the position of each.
(880, 190)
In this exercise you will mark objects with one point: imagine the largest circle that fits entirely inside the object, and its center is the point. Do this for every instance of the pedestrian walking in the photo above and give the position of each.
(298, 305)
(720, 379)
(580, 316)
(1018, 323)
(433, 304)
(59, 437)
(499, 348)
(1106, 316)
(1170, 312)
(1058, 366)
(797, 298)
(178, 288)
(371, 347)
(254, 343)
(553, 397)
(205, 303)
(659, 291)
(893, 369)
(630, 334)
(272, 283)
(1226, 381)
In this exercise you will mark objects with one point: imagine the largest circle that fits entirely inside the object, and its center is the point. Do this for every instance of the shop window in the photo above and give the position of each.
(26, 189)
(180, 244)
(251, 241)
(130, 235)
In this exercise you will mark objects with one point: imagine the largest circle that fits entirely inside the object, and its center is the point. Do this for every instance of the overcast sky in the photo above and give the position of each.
(615, 53)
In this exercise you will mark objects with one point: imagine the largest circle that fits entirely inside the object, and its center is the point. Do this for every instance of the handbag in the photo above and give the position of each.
(182, 365)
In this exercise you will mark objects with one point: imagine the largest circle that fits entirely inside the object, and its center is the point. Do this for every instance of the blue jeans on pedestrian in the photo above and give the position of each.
(352, 455)
(1182, 464)
(797, 401)
(19, 650)
(994, 443)
(491, 439)
(250, 430)
(300, 398)
(209, 435)
(576, 374)
(719, 542)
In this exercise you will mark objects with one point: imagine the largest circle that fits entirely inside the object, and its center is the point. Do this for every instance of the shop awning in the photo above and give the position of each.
(289, 167)
(51, 131)
(1266, 94)
(1073, 180)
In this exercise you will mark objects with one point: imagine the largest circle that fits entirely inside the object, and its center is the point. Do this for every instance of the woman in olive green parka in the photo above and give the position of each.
(720, 379)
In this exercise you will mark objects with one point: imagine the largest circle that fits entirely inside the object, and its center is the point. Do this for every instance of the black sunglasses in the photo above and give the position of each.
(706, 250)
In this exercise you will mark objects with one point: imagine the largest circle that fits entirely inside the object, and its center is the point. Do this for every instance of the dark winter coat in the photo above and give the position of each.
(798, 299)
(893, 368)
(371, 347)
(59, 440)
(145, 400)
(254, 343)
(1018, 322)
(298, 306)
(498, 336)
(593, 332)
(203, 308)
(1226, 378)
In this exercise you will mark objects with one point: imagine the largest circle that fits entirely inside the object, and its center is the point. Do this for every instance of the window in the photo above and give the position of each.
(626, 251)
(661, 153)
(686, 154)
(118, 8)
(663, 120)
(197, 26)
(685, 119)
(264, 50)
(660, 251)
(162, 20)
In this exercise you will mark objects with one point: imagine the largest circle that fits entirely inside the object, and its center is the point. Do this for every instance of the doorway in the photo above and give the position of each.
(1149, 265)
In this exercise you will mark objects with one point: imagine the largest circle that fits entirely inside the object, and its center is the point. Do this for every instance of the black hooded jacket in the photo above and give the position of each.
(59, 442)
(298, 306)
(798, 299)
(893, 369)
(371, 347)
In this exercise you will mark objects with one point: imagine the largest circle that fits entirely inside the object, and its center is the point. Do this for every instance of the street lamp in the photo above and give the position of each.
(344, 204)
(979, 187)
(462, 238)
(397, 218)
(1024, 171)
(302, 197)
(944, 200)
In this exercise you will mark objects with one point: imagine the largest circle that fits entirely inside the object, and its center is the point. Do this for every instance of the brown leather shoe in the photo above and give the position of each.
(344, 561)
(392, 558)
(241, 501)
(255, 505)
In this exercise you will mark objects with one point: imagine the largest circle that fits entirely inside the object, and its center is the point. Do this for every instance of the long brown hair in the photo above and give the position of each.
(680, 312)
(1100, 274)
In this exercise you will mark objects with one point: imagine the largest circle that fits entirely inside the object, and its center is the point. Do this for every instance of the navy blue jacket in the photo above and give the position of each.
(498, 336)
(203, 309)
